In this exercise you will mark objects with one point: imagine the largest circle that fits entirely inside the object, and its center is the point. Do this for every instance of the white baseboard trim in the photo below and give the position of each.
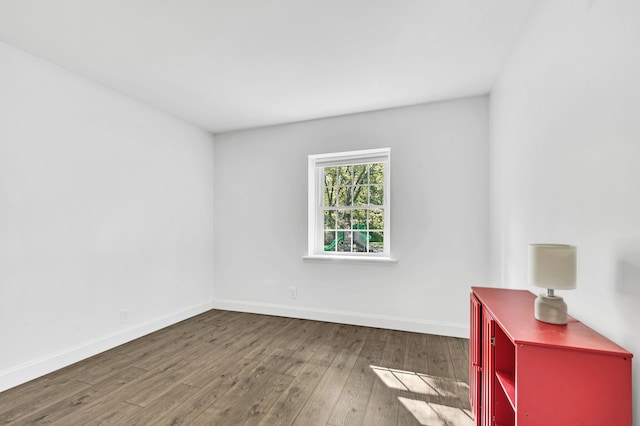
(441, 328)
(33, 369)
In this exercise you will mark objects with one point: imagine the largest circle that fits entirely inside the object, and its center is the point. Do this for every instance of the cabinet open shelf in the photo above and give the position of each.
(508, 383)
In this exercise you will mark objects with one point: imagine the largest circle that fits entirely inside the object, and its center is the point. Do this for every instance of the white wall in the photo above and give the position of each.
(439, 180)
(105, 204)
(566, 158)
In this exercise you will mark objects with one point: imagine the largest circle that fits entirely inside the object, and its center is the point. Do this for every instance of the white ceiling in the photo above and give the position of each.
(233, 64)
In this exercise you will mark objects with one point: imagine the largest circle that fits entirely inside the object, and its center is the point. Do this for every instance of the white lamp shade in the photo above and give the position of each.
(552, 266)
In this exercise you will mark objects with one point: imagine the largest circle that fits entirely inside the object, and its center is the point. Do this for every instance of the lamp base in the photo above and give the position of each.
(550, 309)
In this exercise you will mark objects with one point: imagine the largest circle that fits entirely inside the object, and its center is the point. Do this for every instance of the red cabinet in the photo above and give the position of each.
(526, 372)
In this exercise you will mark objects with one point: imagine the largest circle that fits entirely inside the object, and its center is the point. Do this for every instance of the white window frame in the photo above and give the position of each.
(316, 164)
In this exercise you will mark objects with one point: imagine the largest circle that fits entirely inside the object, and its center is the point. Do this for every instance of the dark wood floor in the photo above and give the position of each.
(228, 368)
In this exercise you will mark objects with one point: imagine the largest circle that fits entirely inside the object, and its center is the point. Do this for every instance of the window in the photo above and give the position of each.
(349, 204)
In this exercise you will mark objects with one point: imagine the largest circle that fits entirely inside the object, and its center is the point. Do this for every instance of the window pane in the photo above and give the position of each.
(376, 219)
(329, 219)
(345, 175)
(330, 195)
(330, 176)
(360, 240)
(361, 195)
(344, 196)
(361, 174)
(345, 245)
(376, 242)
(359, 219)
(376, 173)
(344, 219)
(376, 195)
(329, 237)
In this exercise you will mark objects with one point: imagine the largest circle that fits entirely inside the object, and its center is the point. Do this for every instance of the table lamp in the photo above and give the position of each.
(552, 266)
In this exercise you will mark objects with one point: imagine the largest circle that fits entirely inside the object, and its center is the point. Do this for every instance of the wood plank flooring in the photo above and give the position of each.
(230, 368)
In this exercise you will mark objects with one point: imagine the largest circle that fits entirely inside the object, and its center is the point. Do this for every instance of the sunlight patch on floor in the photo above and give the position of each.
(447, 393)
(420, 383)
(428, 413)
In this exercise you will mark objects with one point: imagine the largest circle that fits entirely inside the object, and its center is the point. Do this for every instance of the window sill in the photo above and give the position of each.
(348, 259)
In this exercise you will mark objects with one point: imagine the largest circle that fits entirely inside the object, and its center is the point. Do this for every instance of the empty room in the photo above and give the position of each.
(419, 212)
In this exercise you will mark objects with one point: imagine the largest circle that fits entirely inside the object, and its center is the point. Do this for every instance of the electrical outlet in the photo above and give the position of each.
(124, 316)
(293, 292)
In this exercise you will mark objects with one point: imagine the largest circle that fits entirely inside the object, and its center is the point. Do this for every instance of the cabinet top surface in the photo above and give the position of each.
(513, 311)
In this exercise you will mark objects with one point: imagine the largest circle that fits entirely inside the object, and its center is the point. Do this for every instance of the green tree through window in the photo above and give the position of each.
(353, 208)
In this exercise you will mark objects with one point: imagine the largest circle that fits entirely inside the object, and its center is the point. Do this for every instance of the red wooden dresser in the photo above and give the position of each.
(526, 372)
